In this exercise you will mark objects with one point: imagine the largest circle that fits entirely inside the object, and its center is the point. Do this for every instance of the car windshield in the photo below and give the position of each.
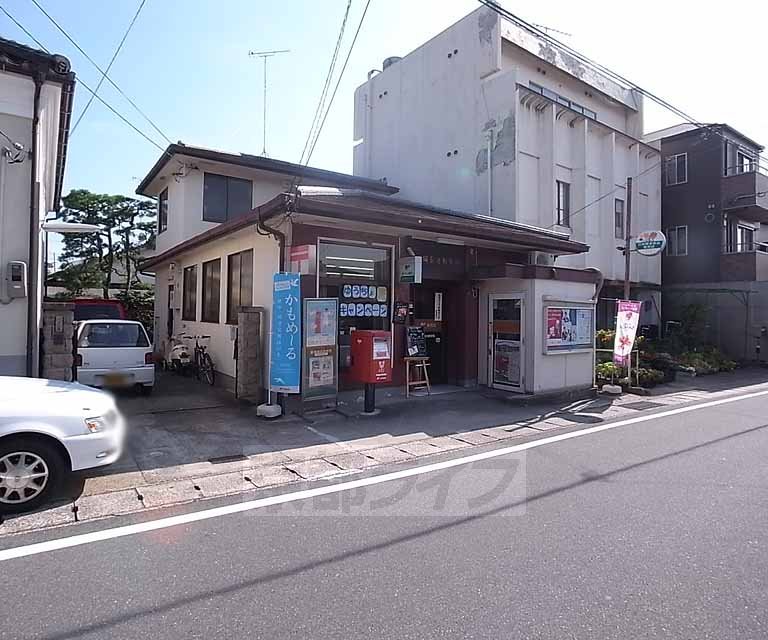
(113, 334)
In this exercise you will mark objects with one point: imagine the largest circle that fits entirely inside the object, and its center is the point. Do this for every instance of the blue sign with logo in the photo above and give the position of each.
(285, 359)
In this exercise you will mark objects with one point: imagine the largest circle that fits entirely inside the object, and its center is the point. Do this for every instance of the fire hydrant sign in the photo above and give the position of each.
(285, 359)
(627, 319)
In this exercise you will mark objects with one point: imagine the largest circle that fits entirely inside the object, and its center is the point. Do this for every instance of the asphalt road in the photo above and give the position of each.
(651, 530)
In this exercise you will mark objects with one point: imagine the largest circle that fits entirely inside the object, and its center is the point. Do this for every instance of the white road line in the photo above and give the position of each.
(216, 512)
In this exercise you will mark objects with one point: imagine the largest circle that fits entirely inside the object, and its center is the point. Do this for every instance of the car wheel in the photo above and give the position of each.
(29, 470)
(146, 389)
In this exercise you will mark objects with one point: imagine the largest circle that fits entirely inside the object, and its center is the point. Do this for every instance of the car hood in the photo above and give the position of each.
(40, 396)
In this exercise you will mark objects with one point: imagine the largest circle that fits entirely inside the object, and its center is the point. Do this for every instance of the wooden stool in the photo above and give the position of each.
(421, 380)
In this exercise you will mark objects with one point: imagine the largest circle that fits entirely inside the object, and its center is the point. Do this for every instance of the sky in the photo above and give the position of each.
(186, 65)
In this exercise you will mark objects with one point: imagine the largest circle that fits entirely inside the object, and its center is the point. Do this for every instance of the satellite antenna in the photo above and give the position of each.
(265, 55)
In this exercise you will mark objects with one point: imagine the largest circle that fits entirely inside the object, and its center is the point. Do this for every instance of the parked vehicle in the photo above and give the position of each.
(99, 309)
(115, 353)
(49, 428)
(196, 360)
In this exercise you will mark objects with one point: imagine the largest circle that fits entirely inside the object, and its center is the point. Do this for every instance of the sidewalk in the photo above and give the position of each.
(187, 445)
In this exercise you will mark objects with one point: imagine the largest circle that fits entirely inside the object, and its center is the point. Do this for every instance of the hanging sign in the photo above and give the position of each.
(321, 331)
(650, 243)
(627, 319)
(303, 259)
(285, 363)
(409, 269)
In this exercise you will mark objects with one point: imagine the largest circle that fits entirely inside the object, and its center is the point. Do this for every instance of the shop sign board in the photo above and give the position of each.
(303, 259)
(569, 328)
(320, 352)
(285, 343)
(409, 269)
(416, 342)
(627, 319)
(650, 243)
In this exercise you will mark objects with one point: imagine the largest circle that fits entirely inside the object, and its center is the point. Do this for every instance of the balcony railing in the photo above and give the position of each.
(746, 247)
(749, 167)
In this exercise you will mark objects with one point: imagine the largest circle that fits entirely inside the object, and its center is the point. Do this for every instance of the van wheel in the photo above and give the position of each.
(30, 469)
(146, 389)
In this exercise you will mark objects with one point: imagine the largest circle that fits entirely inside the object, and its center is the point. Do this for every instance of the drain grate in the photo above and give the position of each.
(642, 405)
(221, 459)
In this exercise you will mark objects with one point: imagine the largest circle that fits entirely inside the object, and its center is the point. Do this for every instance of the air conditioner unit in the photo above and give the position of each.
(541, 259)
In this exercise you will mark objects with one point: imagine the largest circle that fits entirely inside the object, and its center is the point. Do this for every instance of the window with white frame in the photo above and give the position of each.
(745, 238)
(676, 169)
(677, 241)
(744, 163)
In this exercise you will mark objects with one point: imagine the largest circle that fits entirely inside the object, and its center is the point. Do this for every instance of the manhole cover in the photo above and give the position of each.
(642, 405)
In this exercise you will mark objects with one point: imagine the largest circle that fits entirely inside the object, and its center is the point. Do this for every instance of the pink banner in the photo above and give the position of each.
(627, 319)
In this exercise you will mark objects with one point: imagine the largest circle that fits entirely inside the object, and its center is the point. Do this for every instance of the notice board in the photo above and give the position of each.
(416, 342)
(320, 377)
(568, 328)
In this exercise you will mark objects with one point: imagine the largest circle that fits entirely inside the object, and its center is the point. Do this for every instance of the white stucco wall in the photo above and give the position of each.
(423, 124)
(542, 373)
(16, 104)
(185, 197)
(266, 253)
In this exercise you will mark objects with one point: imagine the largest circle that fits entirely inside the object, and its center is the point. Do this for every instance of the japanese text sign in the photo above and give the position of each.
(285, 360)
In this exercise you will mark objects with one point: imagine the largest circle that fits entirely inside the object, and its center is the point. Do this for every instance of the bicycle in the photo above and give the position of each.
(202, 362)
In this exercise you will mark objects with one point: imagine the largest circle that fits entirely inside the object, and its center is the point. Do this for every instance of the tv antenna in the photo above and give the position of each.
(265, 55)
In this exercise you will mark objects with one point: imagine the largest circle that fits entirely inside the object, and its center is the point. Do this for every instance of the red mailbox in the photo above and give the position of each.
(371, 356)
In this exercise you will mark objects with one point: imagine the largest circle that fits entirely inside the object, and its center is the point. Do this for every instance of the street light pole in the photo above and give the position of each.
(627, 240)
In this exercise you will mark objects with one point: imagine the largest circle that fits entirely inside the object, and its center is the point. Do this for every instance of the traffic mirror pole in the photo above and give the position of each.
(628, 238)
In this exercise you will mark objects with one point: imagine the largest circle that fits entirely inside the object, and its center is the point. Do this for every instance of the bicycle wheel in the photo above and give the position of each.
(206, 370)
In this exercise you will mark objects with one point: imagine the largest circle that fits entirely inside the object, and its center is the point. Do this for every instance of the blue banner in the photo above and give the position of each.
(285, 358)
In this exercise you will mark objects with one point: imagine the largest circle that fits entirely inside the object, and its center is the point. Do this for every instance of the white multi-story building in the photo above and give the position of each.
(490, 117)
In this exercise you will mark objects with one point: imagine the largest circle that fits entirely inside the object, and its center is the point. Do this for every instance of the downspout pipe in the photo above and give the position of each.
(599, 279)
(34, 233)
(264, 229)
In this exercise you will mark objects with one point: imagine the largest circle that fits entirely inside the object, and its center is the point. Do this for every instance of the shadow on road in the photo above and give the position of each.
(100, 626)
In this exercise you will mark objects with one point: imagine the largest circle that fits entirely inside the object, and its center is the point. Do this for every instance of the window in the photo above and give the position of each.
(677, 241)
(225, 198)
(113, 334)
(239, 283)
(676, 169)
(618, 218)
(162, 211)
(189, 300)
(743, 163)
(211, 290)
(563, 204)
(745, 239)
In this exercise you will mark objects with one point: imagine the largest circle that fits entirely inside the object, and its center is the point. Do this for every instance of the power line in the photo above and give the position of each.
(104, 74)
(296, 182)
(327, 84)
(338, 81)
(109, 66)
(85, 86)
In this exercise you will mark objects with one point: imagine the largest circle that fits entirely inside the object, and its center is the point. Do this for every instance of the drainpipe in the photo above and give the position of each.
(265, 229)
(34, 233)
(490, 172)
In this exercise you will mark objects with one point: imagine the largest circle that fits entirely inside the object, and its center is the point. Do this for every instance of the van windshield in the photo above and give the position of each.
(113, 334)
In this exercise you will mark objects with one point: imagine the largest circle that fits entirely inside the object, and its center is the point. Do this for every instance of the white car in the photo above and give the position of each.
(115, 353)
(47, 429)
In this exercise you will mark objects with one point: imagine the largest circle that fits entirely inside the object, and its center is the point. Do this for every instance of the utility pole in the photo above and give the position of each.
(628, 239)
(264, 55)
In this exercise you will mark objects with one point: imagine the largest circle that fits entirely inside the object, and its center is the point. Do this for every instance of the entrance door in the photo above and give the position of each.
(505, 334)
